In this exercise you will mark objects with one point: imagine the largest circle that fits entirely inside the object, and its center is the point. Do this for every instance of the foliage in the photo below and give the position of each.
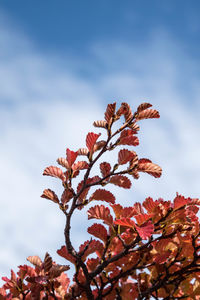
(145, 251)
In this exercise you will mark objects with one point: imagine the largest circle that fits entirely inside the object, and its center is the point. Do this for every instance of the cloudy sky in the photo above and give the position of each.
(61, 63)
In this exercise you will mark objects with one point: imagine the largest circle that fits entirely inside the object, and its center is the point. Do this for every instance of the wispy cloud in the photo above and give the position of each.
(45, 107)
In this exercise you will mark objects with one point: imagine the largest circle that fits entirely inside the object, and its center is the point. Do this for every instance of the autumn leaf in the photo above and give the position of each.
(146, 230)
(143, 106)
(127, 222)
(121, 181)
(71, 157)
(91, 139)
(143, 218)
(110, 112)
(102, 124)
(130, 140)
(80, 165)
(54, 172)
(64, 253)
(100, 212)
(103, 195)
(150, 168)
(105, 168)
(90, 247)
(180, 201)
(50, 195)
(149, 204)
(47, 262)
(124, 156)
(98, 231)
(35, 260)
(147, 114)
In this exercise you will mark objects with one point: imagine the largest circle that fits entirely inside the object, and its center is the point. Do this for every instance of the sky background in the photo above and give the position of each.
(61, 63)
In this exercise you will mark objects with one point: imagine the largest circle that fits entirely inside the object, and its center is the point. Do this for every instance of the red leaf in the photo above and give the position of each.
(35, 260)
(110, 112)
(98, 231)
(147, 114)
(130, 140)
(67, 195)
(103, 195)
(85, 191)
(121, 181)
(144, 160)
(47, 262)
(80, 165)
(150, 168)
(180, 201)
(143, 106)
(138, 208)
(63, 162)
(100, 212)
(54, 172)
(124, 156)
(64, 253)
(91, 247)
(102, 124)
(126, 111)
(105, 168)
(125, 222)
(146, 230)
(92, 263)
(71, 157)
(91, 139)
(149, 204)
(142, 218)
(123, 212)
(50, 195)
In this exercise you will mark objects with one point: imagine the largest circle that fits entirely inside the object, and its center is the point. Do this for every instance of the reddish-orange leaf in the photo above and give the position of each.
(110, 112)
(64, 253)
(54, 172)
(71, 157)
(98, 231)
(150, 168)
(117, 208)
(35, 260)
(100, 212)
(126, 111)
(130, 140)
(85, 191)
(91, 139)
(83, 151)
(180, 201)
(143, 218)
(147, 114)
(66, 196)
(63, 162)
(144, 160)
(102, 124)
(80, 165)
(123, 212)
(47, 262)
(124, 156)
(92, 263)
(121, 181)
(103, 195)
(105, 168)
(89, 247)
(143, 106)
(57, 270)
(149, 204)
(125, 222)
(50, 195)
(138, 208)
(146, 230)
(135, 127)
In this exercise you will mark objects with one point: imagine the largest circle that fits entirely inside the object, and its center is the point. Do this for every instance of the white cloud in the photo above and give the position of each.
(45, 108)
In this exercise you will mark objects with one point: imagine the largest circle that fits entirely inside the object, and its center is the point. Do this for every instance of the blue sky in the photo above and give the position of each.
(60, 64)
